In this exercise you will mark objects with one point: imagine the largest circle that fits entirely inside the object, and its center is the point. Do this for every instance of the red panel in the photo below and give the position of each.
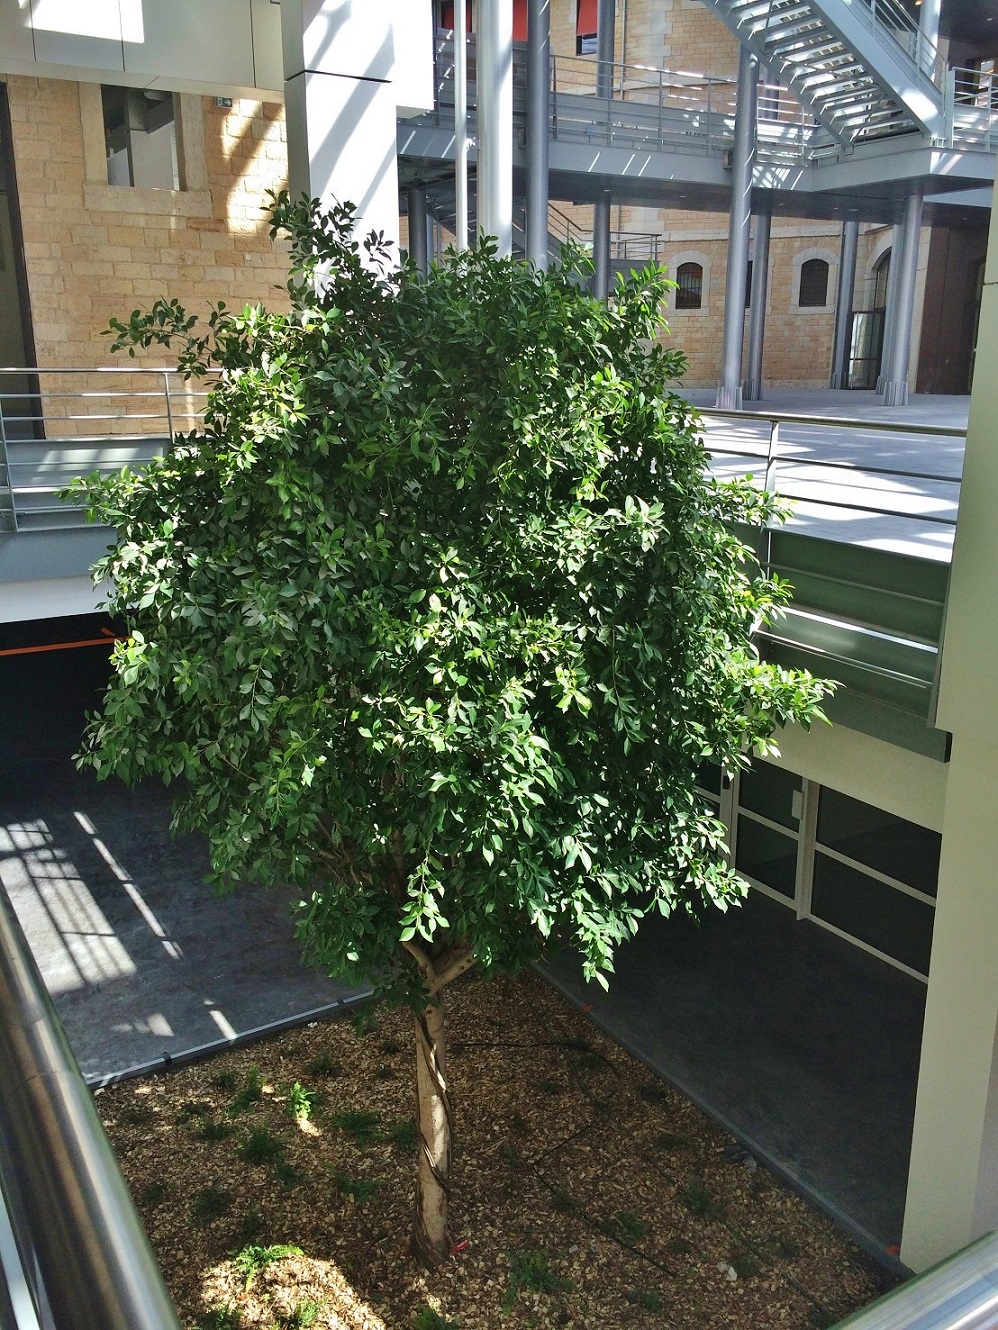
(447, 15)
(587, 18)
(520, 20)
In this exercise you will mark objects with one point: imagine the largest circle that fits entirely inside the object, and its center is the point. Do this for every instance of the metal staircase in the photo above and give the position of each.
(863, 70)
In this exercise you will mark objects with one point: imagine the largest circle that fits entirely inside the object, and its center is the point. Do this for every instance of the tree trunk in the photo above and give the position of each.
(430, 1238)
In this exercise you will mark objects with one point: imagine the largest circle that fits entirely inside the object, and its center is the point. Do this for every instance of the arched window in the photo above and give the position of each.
(813, 283)
(690, 292)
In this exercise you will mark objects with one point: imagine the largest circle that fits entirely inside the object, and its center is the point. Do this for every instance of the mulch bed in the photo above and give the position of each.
(586, 1193)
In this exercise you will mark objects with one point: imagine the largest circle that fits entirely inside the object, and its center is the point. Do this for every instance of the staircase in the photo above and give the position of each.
(861, 69)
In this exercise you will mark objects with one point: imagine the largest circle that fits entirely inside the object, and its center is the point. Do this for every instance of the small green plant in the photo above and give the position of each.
(306, 1313)
(138, 1115)
(699, 1200)
(743, 1263)
(390, 1047)
(301, 1102)
(402, 1134)
(192, 1110)
(531, 1271)
(550, 1087)
(361, 1125)
(210, 1203)
(510, 1156)
(253, 1260)
(260, 1147)
(628, 1225)
(153, 1193)
(789, 1248)
(384, 1072)
(359, 1190)
(821, 1319)
(428, 1318)
(323, 1065)
(564, 1202)
(252, 1223)
(250, 1094)
(653, 1093)
(670, 1140)
(591, 1062)
(225, 1080)
(678, 1247)
(287, 1175)
(208, 1130)
(645, 1298)
(219, 1318)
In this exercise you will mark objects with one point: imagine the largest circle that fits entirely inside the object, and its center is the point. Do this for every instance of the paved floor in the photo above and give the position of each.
(140, 955)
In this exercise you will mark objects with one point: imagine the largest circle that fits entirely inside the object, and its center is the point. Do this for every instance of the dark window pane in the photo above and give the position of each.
(770, 791)
(690, 292)
(885, 918)
(767, 855)
(813, 283)
(748, 285)
(709, 777)
(889, 844)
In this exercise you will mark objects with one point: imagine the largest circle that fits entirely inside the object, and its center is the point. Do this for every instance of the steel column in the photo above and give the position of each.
(752, 390)
(896, 380)
(601, 246)
(538, 128)
(729, 394)
(843, 304)
(890, 305)
(461, 125)
(495, 122)
(415, 207)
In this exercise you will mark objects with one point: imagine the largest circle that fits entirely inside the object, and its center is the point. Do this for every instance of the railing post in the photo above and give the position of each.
(5, 462)
(949, 105)
(169, 407)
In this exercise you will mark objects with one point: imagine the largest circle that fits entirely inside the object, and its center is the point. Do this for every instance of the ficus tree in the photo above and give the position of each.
(434, 617)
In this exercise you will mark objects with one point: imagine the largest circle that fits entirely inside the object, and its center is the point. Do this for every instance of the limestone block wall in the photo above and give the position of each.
(93, 250)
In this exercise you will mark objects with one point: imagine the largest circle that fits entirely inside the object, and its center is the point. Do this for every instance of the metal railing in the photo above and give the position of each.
(970, 101)
(82, 1258)
(694, 113)
(961, 1293)
(775, 457)
(60, 423)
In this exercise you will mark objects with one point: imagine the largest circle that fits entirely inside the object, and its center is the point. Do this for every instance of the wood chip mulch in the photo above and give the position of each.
(586, 1193)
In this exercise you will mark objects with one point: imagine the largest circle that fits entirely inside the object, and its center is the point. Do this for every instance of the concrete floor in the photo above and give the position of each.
(142, 959)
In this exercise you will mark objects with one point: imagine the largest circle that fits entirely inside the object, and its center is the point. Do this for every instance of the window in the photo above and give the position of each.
(447, 16)
(881, 276)
(140, 137)
(690, 279)
(585, 27)
(813, 283)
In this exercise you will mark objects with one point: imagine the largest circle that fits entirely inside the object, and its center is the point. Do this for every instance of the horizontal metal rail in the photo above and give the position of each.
(960, 1293)
(773, 458)
(80, 1240)
(687, 112)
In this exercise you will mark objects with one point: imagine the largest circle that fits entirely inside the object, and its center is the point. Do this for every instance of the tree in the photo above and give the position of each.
(435, 617)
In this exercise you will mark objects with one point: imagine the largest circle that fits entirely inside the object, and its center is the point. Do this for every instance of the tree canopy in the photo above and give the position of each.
(439, 610)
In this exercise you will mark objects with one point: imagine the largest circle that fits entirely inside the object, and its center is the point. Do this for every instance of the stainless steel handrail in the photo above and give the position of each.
(71, 1212)
(961, 1293)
